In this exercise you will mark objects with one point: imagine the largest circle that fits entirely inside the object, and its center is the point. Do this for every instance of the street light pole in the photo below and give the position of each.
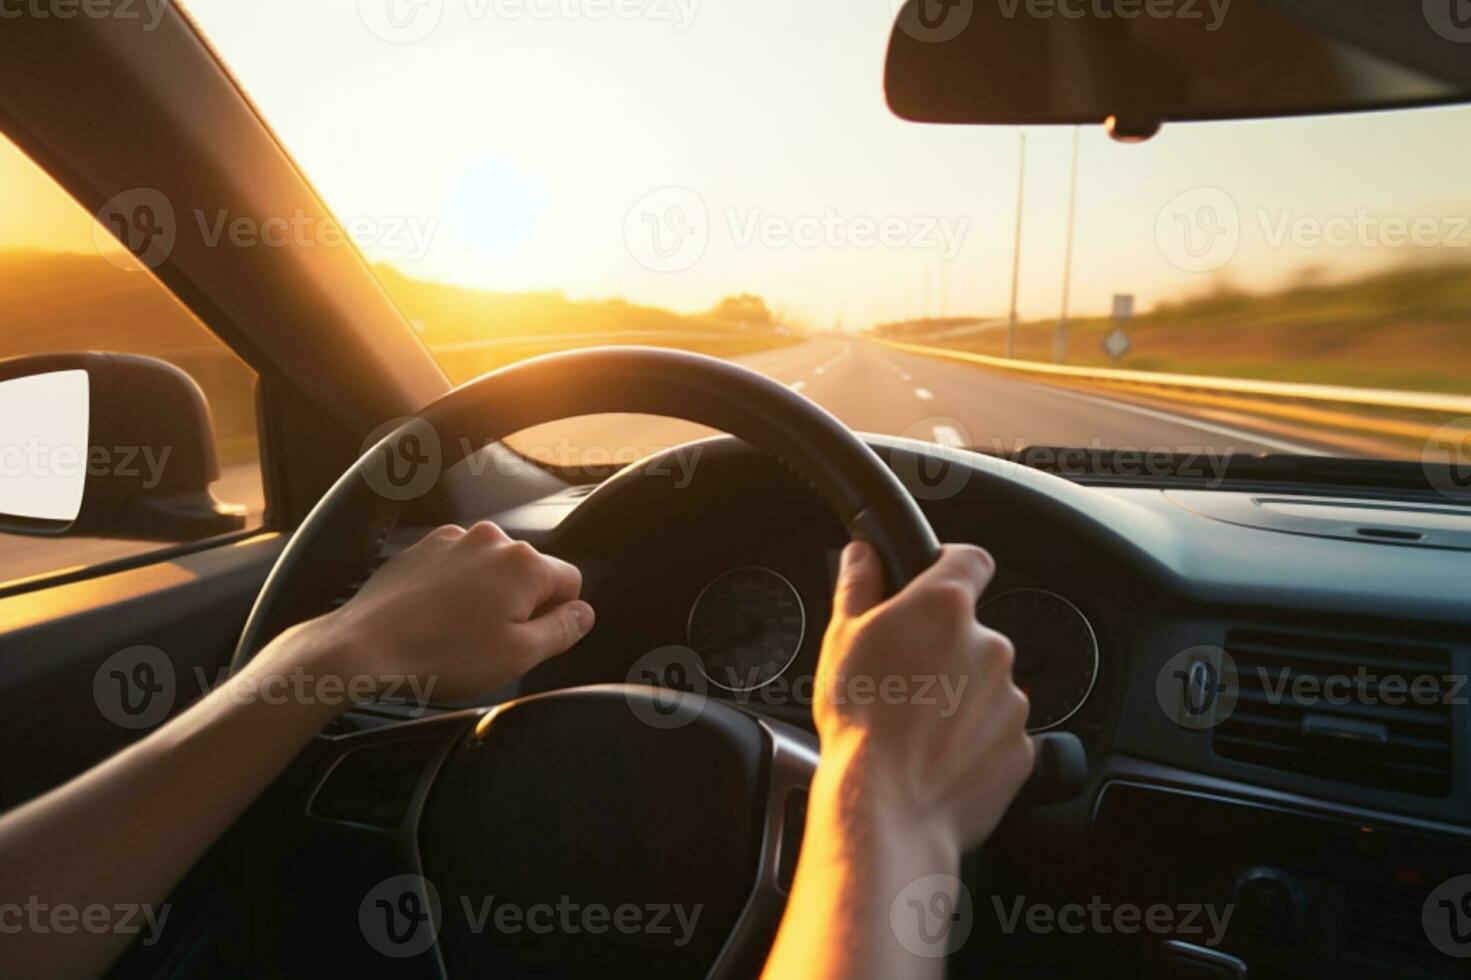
(1016, 248)
(1059, 352)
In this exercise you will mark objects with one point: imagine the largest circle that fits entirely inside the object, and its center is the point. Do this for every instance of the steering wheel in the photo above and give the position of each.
(571, 794)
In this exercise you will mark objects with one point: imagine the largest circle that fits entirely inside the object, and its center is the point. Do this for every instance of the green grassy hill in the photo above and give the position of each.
(1406, 328)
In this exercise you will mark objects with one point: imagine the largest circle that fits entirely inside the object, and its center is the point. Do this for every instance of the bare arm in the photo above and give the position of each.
(463, 611)
(904, 786)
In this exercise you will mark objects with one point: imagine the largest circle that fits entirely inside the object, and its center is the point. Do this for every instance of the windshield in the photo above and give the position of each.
(536, 175)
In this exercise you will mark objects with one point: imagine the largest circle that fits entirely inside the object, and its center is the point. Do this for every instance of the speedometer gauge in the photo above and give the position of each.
(747, 627)
(1056, 651)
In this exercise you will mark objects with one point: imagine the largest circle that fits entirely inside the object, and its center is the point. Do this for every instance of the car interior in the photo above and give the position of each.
(1302, 837)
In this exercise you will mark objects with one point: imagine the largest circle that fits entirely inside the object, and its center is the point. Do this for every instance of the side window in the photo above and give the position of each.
(67, 287)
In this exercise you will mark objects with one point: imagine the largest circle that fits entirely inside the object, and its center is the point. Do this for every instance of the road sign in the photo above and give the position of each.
(1117, 344)
(1123, 306)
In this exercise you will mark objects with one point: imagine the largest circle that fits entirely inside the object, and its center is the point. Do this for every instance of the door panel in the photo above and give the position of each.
(89, 667)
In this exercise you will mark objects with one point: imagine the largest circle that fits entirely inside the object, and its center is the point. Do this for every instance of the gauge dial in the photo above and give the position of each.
(1056, 651)
(747, 627)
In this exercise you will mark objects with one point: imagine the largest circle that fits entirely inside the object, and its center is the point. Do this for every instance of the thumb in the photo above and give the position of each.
(557, 629)
(860, 580)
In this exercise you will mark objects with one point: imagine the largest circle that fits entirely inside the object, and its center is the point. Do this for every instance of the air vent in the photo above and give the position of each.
(1342, 709)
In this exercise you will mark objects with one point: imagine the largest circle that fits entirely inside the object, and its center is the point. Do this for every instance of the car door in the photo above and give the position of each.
(107, 631)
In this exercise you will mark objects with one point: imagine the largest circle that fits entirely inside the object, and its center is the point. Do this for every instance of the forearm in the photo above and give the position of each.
(858, 855)
(125, 832)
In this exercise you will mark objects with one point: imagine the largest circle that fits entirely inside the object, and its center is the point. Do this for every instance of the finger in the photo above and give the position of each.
(485, 532)
(558, 581)
(964, 565)
(860, 580)
(557, 629)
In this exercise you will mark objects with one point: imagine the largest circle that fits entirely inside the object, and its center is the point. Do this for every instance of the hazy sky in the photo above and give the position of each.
(520, 136)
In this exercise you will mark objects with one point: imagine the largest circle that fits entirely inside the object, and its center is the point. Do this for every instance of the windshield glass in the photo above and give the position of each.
(536, 175)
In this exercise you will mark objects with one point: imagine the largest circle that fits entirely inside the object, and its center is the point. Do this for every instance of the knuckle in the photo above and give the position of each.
(997, 648)
(485, 531)
(522, 554)
(1021, 706)
(950, 600)
(447, 532)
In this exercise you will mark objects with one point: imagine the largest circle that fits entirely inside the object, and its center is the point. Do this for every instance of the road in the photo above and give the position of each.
(870, 387)
(873, 388)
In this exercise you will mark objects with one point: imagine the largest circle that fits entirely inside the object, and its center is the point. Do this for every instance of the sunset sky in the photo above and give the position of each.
(520, 143)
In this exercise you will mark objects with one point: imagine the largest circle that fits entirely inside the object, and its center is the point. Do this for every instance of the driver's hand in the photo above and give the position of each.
(947, 746)
(468, 611)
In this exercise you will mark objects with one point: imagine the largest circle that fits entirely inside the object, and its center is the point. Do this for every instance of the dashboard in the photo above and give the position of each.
(1336, 818)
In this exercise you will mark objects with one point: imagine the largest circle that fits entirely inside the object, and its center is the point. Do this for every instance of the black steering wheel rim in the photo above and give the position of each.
(340, 537)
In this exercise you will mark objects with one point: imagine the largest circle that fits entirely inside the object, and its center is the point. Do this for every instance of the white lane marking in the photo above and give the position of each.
(948, 435)
(797, 385)
(924, 394)
(1185, 420)
(822, 368)
(904, 376)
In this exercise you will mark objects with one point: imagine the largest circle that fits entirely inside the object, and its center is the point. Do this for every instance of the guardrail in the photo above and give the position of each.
(1413, 401)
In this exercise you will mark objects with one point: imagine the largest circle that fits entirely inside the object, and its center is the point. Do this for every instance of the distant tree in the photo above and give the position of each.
(745, 309)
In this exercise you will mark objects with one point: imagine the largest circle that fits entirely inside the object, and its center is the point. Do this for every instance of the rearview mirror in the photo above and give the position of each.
(107, 445)
(1135, 64)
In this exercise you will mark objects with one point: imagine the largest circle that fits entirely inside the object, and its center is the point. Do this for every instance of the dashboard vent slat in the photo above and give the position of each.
(1326, 706)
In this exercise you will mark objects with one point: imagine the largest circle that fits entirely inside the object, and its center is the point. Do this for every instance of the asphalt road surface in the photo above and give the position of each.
(873, 388)
(870, 387)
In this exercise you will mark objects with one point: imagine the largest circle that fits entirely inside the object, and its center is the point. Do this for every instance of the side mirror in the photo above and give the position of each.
(107, 445)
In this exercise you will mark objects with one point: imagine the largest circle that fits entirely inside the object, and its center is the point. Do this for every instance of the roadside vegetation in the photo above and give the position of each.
(471, 331)
(1407, 328)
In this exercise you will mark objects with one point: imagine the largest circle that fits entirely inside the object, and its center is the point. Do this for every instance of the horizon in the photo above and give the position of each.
(528, 146)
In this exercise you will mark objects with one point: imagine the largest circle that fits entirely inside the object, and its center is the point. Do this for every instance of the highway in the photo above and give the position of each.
(868, 386)
(874, 388)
